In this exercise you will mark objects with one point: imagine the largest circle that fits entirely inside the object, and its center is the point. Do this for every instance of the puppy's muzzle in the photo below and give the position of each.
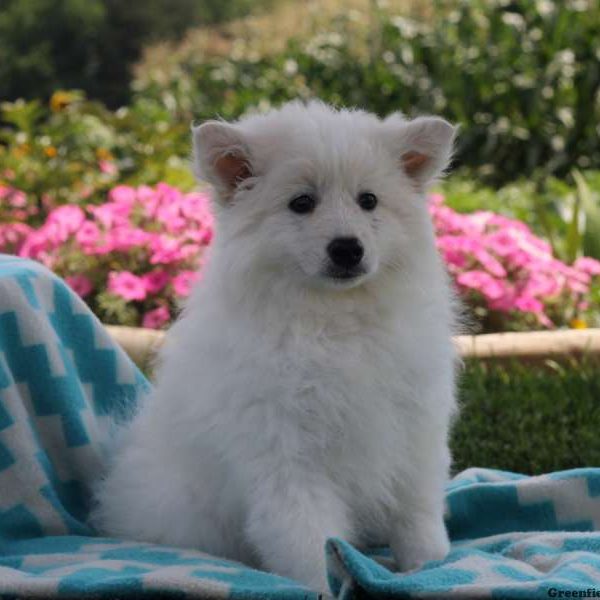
(345, 253)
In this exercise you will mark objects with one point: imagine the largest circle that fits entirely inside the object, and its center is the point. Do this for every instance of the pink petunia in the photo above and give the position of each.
(111, 214)
(207, 236)
(80, 284)
(545, 285)
(529, 304)
(12, 236)
(588, 265)
(88, 234)
(17, 198)
(165, 250)
(196, 207)
(125, 237)
(156, 318)
(70, 215)
(107, 167)
(436, 199)
(155, 281)
(123, 195)
(489, 263)
(144, 193)
(482, 282)
(35, 245)
(182, 283)
(127, 285)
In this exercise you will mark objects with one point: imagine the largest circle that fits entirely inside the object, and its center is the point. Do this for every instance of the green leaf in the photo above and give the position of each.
(574, 234)
(591, 208)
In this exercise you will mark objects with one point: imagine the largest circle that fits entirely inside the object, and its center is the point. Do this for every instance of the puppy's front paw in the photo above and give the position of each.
(413, 547)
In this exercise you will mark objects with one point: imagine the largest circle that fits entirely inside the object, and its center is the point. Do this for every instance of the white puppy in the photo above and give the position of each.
(307, 389)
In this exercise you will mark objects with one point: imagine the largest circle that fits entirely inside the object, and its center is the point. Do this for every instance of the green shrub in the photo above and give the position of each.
(528, 419)
(46, 44)
(74, 150)
(522, 79)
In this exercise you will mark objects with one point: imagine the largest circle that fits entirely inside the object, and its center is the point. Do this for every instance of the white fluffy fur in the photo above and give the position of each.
(289, 408)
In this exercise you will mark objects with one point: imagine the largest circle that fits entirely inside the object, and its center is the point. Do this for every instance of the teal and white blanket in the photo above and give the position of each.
(61, 376)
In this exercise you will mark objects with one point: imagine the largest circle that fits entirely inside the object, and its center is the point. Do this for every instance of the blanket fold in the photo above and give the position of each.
(513, 537)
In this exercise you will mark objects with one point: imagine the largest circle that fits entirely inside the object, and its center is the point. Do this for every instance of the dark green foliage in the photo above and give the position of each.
(91, 45)
(521, 78)
(46, 44)
(528, 419)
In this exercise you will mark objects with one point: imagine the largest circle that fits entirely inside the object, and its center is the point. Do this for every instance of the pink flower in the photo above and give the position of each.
(127, 285)
(502, 243)
(165, 250)
(123, 194)
(197, 207)
(168, 194)
(529, 304)
(189, 251)
(17, 198)
(12, 236)
(111, 214)
(436, 199)
(182, 283)
(80, 284)
(482, 282)
(35, 245)
(207, 236)
(155, 281)
(591, 266)
(542, 285)
(67, 219)
(144, 193)
(107, 167)
(125, 237)
(577, 286)
(88, 234)
(156, 318)
(489, 262)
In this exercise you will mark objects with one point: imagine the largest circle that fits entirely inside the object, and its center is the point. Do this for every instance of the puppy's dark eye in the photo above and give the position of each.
(367, 201)
(302, 204)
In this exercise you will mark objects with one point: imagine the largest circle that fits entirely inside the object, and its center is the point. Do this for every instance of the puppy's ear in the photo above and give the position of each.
(221, 156)
(423, 147)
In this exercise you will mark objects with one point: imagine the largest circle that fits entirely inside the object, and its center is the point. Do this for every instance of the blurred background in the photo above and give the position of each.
(100, 93)
(97, 98)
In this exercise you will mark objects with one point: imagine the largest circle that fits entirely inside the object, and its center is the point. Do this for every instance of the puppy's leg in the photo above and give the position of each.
(418, 533)
(291, 514)
(418, 537)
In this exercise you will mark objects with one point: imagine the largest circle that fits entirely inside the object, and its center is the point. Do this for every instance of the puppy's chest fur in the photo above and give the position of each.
(337, 391)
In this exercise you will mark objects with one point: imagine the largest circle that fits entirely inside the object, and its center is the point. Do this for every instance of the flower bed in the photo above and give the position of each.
(136, 256)
(508, 274)
(132, 258)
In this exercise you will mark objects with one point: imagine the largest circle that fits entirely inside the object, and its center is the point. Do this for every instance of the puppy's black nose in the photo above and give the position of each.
(345, 252)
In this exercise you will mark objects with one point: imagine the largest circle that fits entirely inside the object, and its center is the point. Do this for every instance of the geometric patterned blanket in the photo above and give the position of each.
(62, 378)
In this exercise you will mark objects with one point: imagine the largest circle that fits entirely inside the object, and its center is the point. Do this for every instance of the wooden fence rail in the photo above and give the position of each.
(142, 344)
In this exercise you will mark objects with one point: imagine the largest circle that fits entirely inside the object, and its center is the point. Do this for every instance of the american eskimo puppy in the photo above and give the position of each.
(307, 388)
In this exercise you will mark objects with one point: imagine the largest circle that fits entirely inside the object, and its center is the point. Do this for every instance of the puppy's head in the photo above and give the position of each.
(327, 197)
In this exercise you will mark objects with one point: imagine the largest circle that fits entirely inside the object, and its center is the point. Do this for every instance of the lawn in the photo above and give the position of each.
(526, 418)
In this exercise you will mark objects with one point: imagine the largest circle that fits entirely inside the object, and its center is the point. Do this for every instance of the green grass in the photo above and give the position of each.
(528, 419)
